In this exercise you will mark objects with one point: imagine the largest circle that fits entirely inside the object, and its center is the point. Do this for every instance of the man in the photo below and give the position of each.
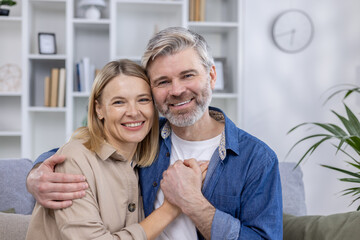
(241, 194)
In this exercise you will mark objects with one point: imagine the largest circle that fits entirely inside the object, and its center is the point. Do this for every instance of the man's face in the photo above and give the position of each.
(181, 86)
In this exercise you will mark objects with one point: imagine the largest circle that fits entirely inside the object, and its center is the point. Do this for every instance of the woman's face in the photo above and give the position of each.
(127, 110)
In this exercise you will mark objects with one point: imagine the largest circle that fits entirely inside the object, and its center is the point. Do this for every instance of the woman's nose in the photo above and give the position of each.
(132, 109)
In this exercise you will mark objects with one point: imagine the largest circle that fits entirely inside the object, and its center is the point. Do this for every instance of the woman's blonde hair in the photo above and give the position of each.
(93, 134)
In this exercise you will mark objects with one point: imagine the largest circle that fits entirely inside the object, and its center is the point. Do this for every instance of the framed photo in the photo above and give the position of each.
(47, 43)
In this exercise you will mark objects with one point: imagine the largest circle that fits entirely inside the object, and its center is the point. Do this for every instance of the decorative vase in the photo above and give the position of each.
(4, 12)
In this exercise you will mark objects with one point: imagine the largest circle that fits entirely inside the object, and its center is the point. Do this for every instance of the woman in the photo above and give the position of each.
(122, 132)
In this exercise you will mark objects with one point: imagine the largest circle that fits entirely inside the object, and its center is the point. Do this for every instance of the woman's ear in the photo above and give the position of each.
(98, 110)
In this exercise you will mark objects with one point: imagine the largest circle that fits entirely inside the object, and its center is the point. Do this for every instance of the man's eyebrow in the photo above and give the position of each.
(158, 79)
(188, 71)
(180, 74)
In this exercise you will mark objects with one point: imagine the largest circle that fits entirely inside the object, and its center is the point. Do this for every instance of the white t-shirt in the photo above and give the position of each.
(182, 227)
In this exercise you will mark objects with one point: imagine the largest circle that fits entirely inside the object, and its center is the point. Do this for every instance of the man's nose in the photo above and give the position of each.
(177, 88)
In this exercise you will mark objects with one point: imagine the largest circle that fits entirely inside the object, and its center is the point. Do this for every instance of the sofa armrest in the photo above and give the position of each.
(13, 226)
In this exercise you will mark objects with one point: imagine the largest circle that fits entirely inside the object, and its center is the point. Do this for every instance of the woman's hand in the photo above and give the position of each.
(204, 167)
(171, 208)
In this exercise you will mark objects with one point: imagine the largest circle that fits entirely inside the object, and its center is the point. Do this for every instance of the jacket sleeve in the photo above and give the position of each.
(261, 208)
(45, 156)
(82, 220)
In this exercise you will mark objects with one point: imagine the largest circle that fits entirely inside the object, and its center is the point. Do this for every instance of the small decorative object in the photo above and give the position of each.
(345, 137)
(5, 12)
(47, 43)
(92, 8)
(292, 31)
(10, 78)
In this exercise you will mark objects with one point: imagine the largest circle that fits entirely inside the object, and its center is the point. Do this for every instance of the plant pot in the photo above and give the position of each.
(4, 12)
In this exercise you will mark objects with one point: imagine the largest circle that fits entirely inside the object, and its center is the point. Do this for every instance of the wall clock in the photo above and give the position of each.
(292, 31)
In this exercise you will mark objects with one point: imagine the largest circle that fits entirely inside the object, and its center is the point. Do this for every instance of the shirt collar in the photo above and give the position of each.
(107, 151)
(219, 116)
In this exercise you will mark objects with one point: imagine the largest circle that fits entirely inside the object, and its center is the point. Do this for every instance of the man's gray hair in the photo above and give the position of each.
(174, 39)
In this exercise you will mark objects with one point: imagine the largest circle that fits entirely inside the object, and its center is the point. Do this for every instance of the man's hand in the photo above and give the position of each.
(55, 190)
(181, 182)
(181, 185)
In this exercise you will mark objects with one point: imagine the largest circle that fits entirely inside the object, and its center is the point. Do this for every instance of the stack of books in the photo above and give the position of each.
(85, 75)
(54, 88)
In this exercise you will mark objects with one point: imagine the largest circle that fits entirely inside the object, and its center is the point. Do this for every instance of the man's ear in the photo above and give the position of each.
(98, 110)
(212, 75)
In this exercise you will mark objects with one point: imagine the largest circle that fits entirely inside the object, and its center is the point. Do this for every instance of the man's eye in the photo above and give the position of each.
(190, 75)
(162, 83)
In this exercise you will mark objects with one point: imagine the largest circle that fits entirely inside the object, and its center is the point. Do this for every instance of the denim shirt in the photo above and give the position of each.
(242, 183)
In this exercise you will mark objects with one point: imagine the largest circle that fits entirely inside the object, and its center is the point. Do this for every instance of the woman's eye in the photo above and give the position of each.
(145, 100)
(118, 102)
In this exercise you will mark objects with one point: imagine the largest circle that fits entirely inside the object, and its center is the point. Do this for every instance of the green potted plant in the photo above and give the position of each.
(3, 11)
(345, 137)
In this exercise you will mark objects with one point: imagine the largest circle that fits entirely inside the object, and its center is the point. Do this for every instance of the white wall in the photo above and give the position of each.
(282, 90)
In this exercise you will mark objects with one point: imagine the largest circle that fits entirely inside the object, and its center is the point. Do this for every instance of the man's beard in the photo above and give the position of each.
(188, 118)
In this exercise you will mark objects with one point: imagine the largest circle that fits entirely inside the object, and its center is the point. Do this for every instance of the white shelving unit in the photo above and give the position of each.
(122, 32)
(11, 101)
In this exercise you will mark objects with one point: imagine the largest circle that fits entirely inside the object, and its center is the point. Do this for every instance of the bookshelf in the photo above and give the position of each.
(11, 98)
(122, 31)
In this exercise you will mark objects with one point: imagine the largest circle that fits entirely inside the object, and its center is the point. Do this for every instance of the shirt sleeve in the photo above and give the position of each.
(261, 208)
(45, 156)
(82, 220)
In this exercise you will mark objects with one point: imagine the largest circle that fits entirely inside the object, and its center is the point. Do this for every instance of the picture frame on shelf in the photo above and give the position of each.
(47, 43)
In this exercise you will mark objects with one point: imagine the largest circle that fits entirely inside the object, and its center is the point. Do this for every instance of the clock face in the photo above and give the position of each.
(292, 31)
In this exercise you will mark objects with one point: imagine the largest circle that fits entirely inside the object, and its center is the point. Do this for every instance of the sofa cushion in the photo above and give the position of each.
(332, 227)
(13, 226)
(293, 191)
(13, 173)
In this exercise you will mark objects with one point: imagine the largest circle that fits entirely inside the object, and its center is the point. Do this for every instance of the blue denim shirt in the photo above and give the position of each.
(242, 183)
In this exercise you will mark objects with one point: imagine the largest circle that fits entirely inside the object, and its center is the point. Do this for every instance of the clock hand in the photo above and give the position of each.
(292, 36)
(285, 33)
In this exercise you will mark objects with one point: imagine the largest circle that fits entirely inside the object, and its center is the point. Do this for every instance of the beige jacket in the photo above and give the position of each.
(112, 207)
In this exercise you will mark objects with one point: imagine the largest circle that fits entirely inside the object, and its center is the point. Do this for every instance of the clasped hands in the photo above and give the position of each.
(182, 182)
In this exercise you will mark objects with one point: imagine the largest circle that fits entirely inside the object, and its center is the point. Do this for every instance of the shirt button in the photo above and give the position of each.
(168, 154)
(131, 207)
(154, 184)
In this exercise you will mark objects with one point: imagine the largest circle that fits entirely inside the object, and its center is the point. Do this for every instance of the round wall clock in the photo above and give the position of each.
(292, 31)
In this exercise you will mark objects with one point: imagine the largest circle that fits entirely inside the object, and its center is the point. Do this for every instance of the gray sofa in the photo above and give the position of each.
(15, 198)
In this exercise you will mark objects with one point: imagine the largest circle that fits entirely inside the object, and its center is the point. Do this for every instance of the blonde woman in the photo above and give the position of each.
(122, 133)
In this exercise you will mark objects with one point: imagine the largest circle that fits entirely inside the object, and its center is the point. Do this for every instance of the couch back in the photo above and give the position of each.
(292, 189)
(13, 192)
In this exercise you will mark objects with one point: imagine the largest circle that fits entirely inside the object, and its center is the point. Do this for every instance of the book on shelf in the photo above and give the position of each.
(54, 87)
(47, 91)
(85, 71)
(62, 90)
(197, 10)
